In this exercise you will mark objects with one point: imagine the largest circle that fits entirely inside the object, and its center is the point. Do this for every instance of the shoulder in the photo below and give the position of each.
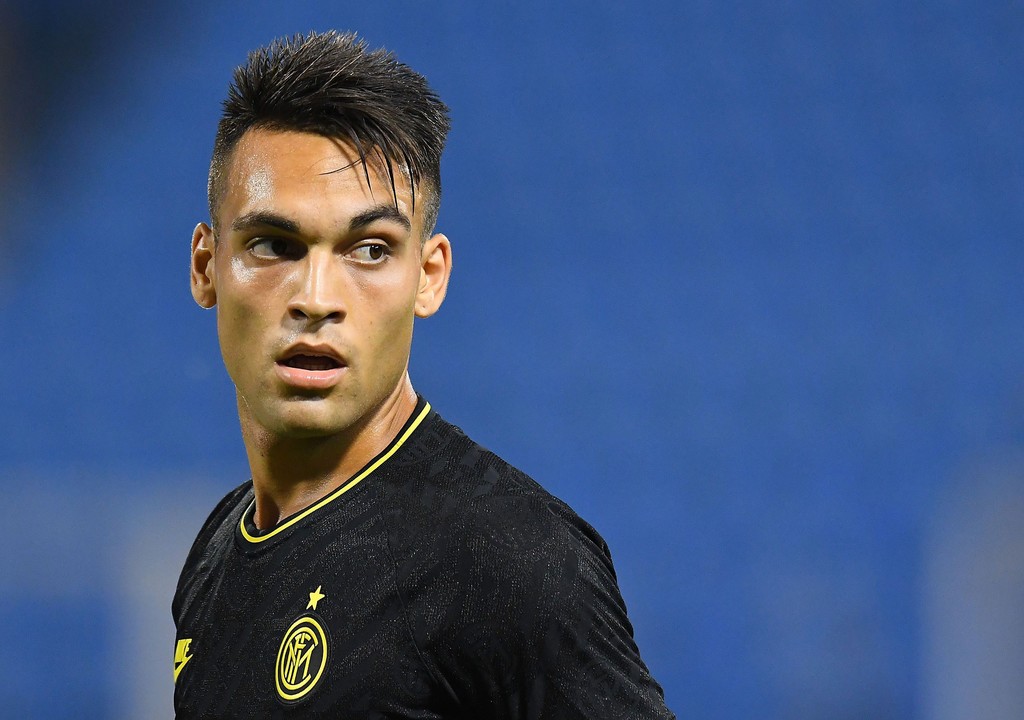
(227, 506)
(491, 538)
(515, 595)
(463, 491)
(216, 522)
(518, 520)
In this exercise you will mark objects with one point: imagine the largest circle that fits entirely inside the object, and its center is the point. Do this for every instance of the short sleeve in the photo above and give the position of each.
(537, 627)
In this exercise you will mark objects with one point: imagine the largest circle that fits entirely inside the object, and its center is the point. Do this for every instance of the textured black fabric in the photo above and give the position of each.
(446, 583)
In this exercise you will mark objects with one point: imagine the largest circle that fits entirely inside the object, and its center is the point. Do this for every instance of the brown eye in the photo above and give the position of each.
(370, 253)
(273, 247)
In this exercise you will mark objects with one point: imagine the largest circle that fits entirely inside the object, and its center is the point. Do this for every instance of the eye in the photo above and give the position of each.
(370, 252)
(271, 248)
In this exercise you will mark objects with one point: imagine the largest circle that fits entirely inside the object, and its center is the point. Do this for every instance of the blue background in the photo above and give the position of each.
(739, 281)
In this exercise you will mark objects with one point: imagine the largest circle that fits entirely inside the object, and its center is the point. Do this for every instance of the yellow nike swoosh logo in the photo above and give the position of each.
(180, 666)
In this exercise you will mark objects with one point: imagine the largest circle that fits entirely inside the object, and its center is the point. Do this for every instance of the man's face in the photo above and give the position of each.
(316, 277)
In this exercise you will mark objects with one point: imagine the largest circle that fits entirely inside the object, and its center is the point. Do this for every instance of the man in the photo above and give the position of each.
(379, 563)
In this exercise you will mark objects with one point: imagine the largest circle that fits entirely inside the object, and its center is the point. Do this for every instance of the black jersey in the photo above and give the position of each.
(439, 582)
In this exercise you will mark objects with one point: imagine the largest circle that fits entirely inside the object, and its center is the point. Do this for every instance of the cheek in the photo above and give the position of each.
(235, 321)
(386, 294)
(240, 273)
(234, 328)
(402, 300)
(248, 295)
(243, 313)
(389, 317)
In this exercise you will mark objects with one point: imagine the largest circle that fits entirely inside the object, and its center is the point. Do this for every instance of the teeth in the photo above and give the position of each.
(311, 362)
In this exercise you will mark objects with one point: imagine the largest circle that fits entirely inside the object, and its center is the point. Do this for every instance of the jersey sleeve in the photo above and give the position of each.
(195, 554)
(538, 627)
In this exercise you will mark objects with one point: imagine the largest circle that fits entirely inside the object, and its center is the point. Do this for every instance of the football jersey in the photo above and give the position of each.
(437, 582)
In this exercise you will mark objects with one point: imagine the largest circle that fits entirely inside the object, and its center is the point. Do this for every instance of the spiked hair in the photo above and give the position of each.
(331, 85)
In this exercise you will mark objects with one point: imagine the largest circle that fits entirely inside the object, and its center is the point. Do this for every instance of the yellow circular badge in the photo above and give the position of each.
(301, 659)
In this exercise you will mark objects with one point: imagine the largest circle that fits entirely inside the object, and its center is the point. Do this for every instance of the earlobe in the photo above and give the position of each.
(435, 270)
(203, 275)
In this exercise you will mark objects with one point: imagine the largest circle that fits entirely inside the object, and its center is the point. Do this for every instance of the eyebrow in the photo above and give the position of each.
(379, 212)
(259, 219)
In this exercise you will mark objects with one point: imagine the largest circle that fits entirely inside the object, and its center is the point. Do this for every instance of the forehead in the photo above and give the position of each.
(308, 173)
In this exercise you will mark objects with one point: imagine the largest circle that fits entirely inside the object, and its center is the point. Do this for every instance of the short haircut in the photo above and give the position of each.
(329, 84)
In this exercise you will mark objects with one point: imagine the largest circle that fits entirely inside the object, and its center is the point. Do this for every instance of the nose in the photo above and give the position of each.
(318, 295)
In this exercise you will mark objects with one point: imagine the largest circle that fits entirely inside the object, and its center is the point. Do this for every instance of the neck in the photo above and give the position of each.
(290, 473)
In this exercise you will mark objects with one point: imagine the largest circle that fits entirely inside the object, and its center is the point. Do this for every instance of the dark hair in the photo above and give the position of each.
(330, 84)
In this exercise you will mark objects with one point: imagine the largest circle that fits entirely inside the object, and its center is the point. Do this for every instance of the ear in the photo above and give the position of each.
(204, 278)
(435, 269)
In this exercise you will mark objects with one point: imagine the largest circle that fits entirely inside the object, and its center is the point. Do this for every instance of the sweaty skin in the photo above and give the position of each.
(316, 277)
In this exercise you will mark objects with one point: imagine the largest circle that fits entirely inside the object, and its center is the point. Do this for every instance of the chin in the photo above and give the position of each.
(311, 427)
(309, 420)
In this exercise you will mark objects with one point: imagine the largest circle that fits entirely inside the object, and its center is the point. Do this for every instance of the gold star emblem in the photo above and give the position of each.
(315, 597)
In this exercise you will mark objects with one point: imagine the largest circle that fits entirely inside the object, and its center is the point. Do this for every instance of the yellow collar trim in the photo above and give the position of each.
(337, 493)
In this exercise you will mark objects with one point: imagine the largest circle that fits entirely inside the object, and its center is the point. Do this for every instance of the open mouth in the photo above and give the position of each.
(310, 362)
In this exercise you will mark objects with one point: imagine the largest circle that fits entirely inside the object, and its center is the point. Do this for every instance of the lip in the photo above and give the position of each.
(310, 379)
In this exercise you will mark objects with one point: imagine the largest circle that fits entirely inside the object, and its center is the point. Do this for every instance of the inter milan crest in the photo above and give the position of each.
(302, 656)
